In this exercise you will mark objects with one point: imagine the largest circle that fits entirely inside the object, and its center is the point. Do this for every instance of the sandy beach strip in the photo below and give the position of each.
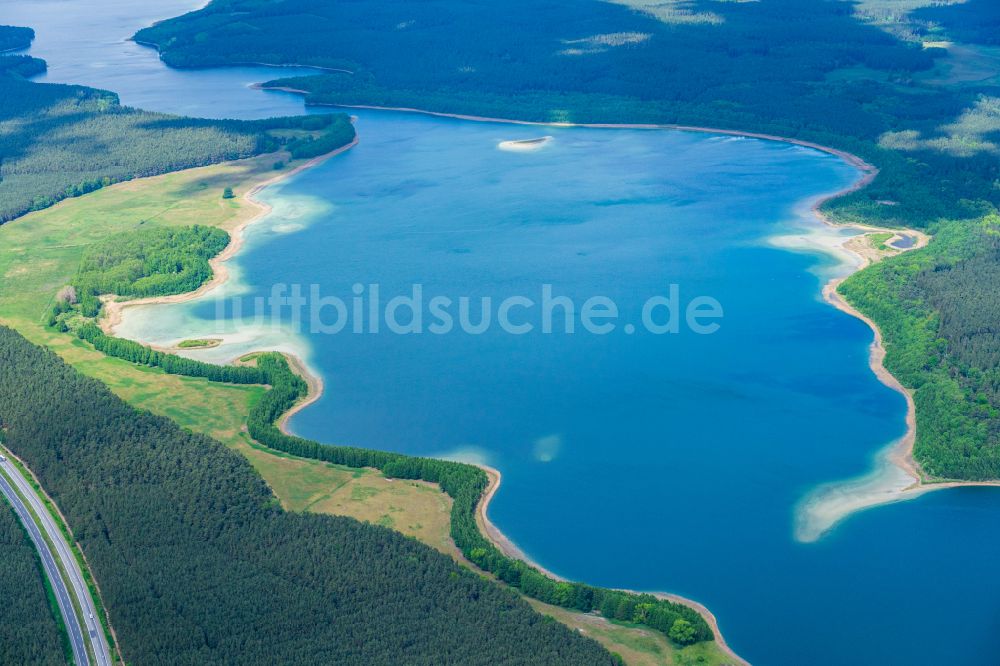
(901, 454)
(314, 382)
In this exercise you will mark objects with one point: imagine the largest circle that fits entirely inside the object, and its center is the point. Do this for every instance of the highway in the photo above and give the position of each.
(51, 571)
(83, 631)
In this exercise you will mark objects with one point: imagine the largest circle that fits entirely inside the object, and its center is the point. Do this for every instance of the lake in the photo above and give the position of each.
(642, 460)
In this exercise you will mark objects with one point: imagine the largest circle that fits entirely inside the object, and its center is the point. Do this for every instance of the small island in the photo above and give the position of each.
(205, 343)
(524, 145)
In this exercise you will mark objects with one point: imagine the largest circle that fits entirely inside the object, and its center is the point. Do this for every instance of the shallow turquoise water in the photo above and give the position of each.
(669, 462)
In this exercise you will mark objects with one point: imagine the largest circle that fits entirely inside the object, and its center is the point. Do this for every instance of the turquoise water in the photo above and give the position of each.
(655, 462)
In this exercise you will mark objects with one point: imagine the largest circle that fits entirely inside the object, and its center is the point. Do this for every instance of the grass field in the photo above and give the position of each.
(879, 239)
(40, 252)
(637, 645)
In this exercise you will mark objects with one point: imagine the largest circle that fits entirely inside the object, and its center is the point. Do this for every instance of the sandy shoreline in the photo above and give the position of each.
(314, 382)
(901, 454)
(510, 549)
(112, 311)
(850, 158)
(896, 475)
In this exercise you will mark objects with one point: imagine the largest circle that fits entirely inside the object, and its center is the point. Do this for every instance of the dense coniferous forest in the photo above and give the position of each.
(939, 311)
(13, 38)
(198, 563)
(29, 635)
(21, 66)
(807, 69)
(59, 141)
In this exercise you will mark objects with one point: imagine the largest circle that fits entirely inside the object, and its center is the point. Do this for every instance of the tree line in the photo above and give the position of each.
(21, 66)
(807, 70)
(62, 141)
(198, 563)
(465, 484)
(319, 134)
(174, 260)
(938, 310)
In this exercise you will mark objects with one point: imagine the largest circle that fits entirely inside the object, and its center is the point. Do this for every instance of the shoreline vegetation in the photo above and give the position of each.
(901, 104)
(896, 475)
(320, 68)
(199, 343)
(900, 454)
(198, 536)
(105, 142)
(113, 313)
(510, 549)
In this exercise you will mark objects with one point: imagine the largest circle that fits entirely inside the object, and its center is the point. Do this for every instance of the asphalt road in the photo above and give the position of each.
(84, 630)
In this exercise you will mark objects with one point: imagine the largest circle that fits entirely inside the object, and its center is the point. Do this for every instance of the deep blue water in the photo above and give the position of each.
(669, 462)
(647, 462)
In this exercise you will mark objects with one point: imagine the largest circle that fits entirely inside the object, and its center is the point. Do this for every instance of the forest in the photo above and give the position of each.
(198, 564)
(147, 262)
(13, 38)
(59, 141)
(808, 70)
(29, 633)
(21, 66)
(974, 21)
(938, 310)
